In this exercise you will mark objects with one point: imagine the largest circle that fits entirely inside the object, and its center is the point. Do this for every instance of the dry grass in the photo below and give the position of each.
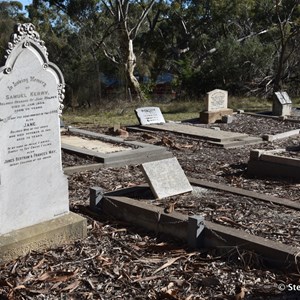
(123, 113)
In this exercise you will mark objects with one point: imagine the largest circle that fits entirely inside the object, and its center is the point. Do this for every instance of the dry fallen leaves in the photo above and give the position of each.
(117, 261)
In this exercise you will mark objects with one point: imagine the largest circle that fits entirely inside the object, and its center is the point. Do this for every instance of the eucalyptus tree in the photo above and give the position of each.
(178, 40)
(111, 27)
(270, 30)
(65, 48)
(286, 28)
(211, 43)
(11, 12)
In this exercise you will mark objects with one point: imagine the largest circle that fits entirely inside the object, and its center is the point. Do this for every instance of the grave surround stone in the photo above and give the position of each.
(282, 104)
(33, 188)
(216, 106)
(166, 178)
(149, 115)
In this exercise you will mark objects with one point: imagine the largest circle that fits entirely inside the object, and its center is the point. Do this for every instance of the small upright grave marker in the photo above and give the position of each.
(216, 103)
(166, 178)
(282, 104)
(33, 188)
(216, 100)
(149, 115)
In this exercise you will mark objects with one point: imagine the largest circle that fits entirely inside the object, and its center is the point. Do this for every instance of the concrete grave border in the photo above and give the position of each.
(265, 115)
(267, 163)
(193, 230)
(140, 153)
(283, 135)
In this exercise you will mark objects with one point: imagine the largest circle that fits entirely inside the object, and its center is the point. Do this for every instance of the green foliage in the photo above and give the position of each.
(247, 47)
(10, 14)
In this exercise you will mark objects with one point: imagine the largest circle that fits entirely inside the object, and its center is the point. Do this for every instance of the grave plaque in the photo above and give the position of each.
(282, 104)
(33, 188)
(166, 178)
(216, 103)
(149, 115)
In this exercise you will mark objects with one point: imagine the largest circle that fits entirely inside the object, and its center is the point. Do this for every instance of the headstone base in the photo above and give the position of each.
(47, 234)
(208, 117)
(283, 110)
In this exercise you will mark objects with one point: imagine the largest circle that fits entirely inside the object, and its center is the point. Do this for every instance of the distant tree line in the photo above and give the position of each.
(117, 49)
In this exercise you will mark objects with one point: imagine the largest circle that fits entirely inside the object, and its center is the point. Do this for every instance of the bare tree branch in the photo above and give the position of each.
(133, 32)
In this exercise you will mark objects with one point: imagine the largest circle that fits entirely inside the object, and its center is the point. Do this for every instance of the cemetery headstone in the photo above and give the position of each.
(166, 178)
(282, 104)
(149, 115)
(34, 203)
(216, 106)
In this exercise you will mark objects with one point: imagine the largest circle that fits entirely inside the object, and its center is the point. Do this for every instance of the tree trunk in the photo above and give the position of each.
(98, 82)
(130, 64)
(278, 75)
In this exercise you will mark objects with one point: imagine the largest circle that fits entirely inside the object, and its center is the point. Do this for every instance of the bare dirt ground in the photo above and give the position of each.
(120, 261)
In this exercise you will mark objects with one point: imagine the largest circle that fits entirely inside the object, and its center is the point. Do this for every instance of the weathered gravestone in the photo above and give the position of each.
(166, 178)
(34, 204)
(282, 104)
(216, 103)
(149, 115)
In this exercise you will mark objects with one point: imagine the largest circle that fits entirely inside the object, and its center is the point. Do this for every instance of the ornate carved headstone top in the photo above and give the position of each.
(33, 188)
(25, 36)
(21, 34)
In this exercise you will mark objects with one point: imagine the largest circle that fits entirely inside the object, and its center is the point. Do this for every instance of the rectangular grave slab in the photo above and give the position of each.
(149, 115)
(166, 178)
(196, 131)
(33, 188)
(221, 138)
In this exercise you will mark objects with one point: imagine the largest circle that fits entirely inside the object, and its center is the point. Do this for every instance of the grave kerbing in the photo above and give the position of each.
(34, 203)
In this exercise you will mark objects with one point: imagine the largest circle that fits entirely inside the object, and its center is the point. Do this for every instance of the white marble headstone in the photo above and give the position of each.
(216, 100)
(283, 98)
(33, 187)
(149, 115)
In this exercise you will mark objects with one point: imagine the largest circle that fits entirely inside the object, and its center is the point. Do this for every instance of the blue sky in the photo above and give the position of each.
(25, 2)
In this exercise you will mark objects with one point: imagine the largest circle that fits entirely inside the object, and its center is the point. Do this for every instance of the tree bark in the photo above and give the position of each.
(130, 65)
